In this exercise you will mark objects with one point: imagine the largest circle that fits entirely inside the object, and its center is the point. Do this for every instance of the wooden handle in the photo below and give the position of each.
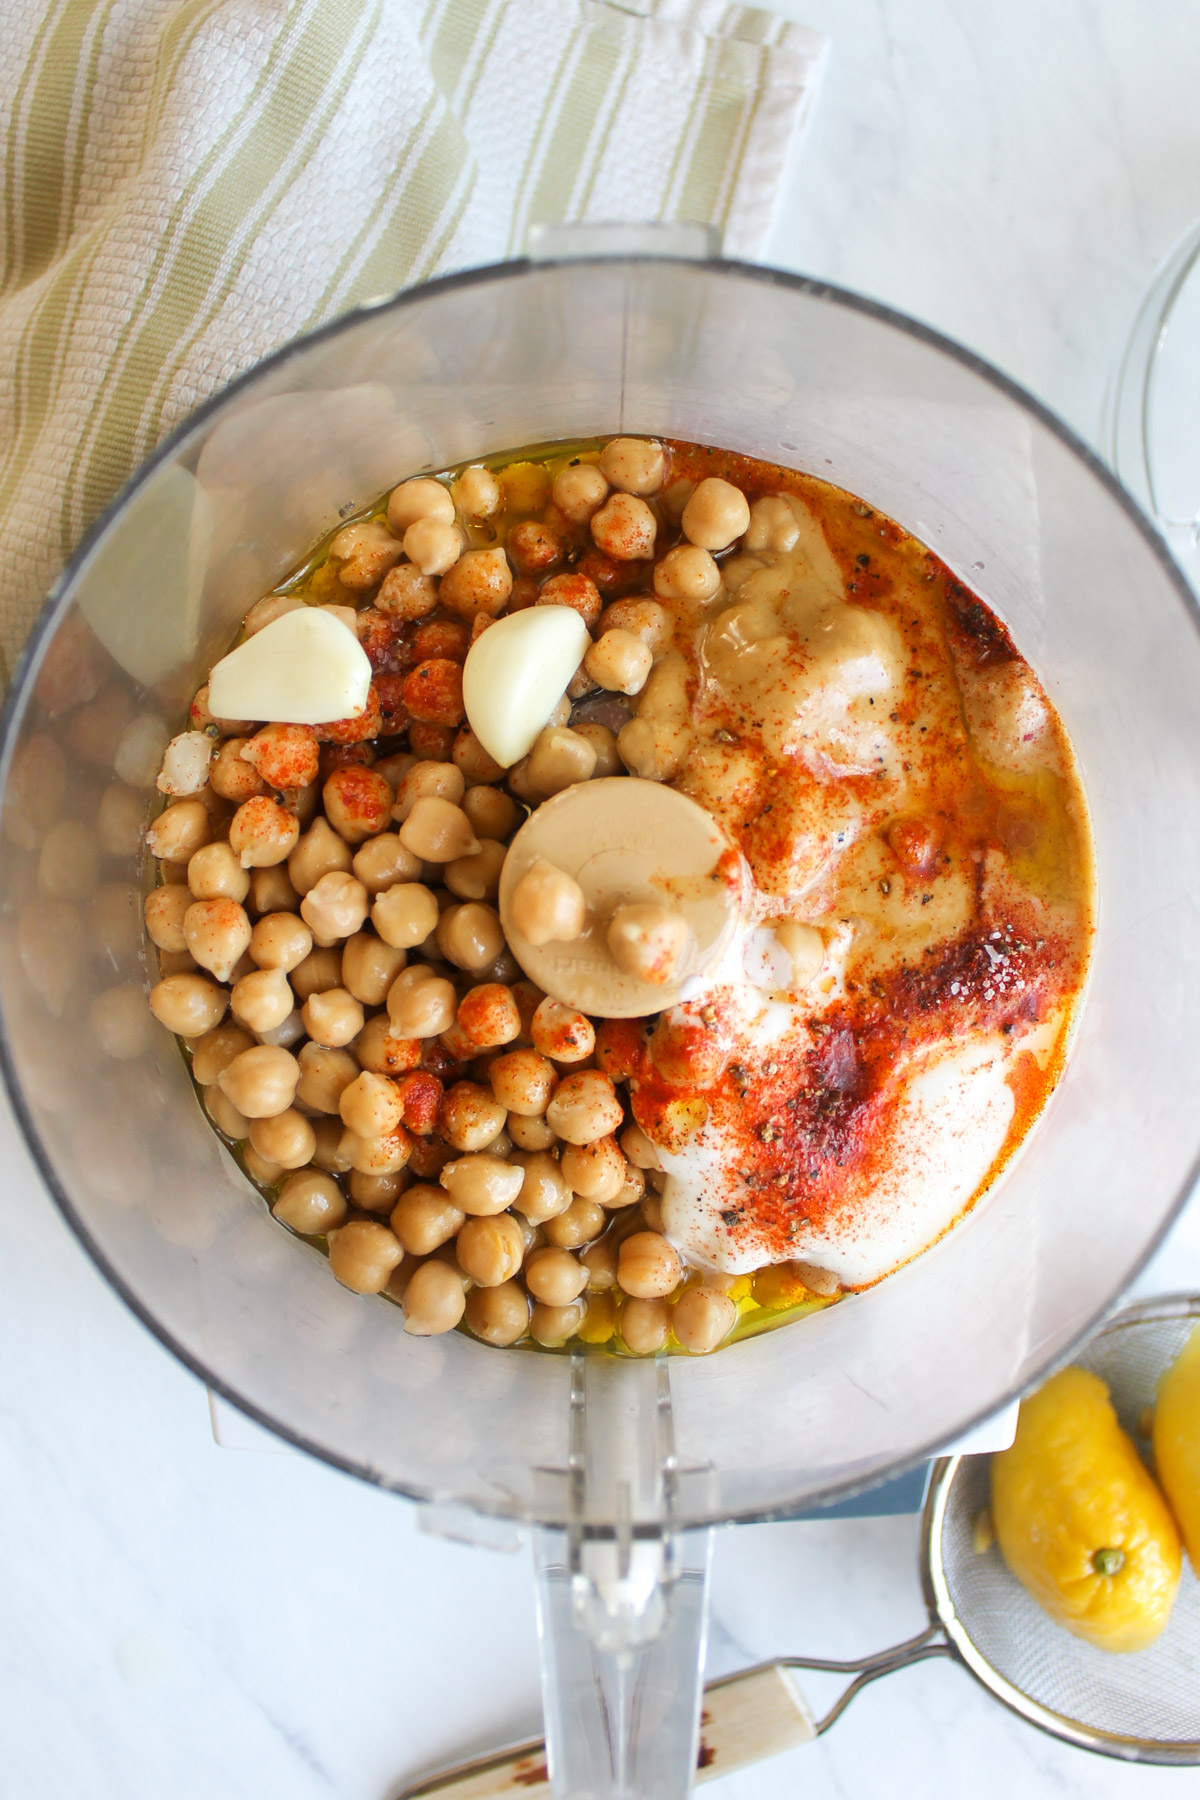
(744, 1718)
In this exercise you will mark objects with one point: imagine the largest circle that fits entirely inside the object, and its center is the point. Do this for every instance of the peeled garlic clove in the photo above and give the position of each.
(515, 674)
(305, 668)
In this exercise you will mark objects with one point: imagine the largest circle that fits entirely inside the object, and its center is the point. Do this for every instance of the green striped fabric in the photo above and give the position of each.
(186, 184)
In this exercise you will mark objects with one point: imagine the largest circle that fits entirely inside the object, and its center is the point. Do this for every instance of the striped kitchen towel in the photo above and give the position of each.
(186, 186)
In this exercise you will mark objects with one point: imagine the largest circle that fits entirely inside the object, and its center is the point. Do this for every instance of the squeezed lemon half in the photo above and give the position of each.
(1177, 1442)
(1080, 1522)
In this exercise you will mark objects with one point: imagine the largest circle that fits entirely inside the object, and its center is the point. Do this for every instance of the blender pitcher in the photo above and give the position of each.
(620, 1467)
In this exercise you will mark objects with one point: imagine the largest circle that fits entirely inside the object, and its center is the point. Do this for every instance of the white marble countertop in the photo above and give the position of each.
(189, 1621)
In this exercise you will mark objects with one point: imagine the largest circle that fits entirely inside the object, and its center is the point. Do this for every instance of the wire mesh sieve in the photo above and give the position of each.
(1143, 1706)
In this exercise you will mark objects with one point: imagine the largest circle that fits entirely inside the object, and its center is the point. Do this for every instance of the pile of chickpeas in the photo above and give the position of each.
(331, 953)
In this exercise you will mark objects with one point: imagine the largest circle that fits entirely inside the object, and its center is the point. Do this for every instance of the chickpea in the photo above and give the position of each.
(530, 1132)
(319, 852)
(625, 528)
(421, 1004)
(481, 581)
(164, 911)
(640, 1150)
(334, 908)
(818, 1281)
(261, 1082)
(434, 1300)
(285, 1138)
(649, 940)
(231, 776)
(225, 1115)
(262, 1000)
(555, 1325)
(653, 750)
(311, 1203)
(362, 1255)
(548, 905)
(716, 514)
(481, 1184)
(433, 545)
(619, 661)
(523, 1082)
(644, 619)
(280, 941)
(595, 1171)
(424, 1218)
(580, 1224)
(471, 758)
(405, 915)
(687, 573)
(489, 1016)
(648, 1266)
(320, 971)
(562, 1032)
(559, 759)
(271, 891)
(554, 1276)
(438, 831)
(179, 831)
(477, 877)
(578, 491)
(286, 756)
(645, 1325)
(384, 1155)
(533, 546)
(370, 1105)
(214, 873)
(375, 1193)
(634, 465)
(263, 833)
(490, 1250)
(327, 1129)
(217, 934)
(470, 1118)
(476, 492)
(652, 1218)
(216, 1050)
(773, 525)
(581, 594)
(470, 936)
(406, 594)
(425, 780)
(382, 862)
(369, 967)
(604, 743)
(498, 1315)
(685, 1051)
(702, 1319)
(188, 1005)
(332, 1018)
(421, 498)
(118, 823)
(260, 1168)
(600, 1261)
(378, 1048)
(544, 1192)
(358, 803)
(369, 550)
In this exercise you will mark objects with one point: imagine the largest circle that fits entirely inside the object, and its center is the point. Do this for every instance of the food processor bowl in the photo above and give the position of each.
(617, 1461)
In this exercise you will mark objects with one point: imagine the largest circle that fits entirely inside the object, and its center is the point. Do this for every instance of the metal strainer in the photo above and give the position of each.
(1142, 1706)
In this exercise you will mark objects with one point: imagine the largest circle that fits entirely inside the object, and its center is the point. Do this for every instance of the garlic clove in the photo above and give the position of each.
(305, 668)
(515, 674)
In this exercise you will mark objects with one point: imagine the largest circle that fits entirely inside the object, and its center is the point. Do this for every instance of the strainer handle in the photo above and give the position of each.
(866, 1669)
